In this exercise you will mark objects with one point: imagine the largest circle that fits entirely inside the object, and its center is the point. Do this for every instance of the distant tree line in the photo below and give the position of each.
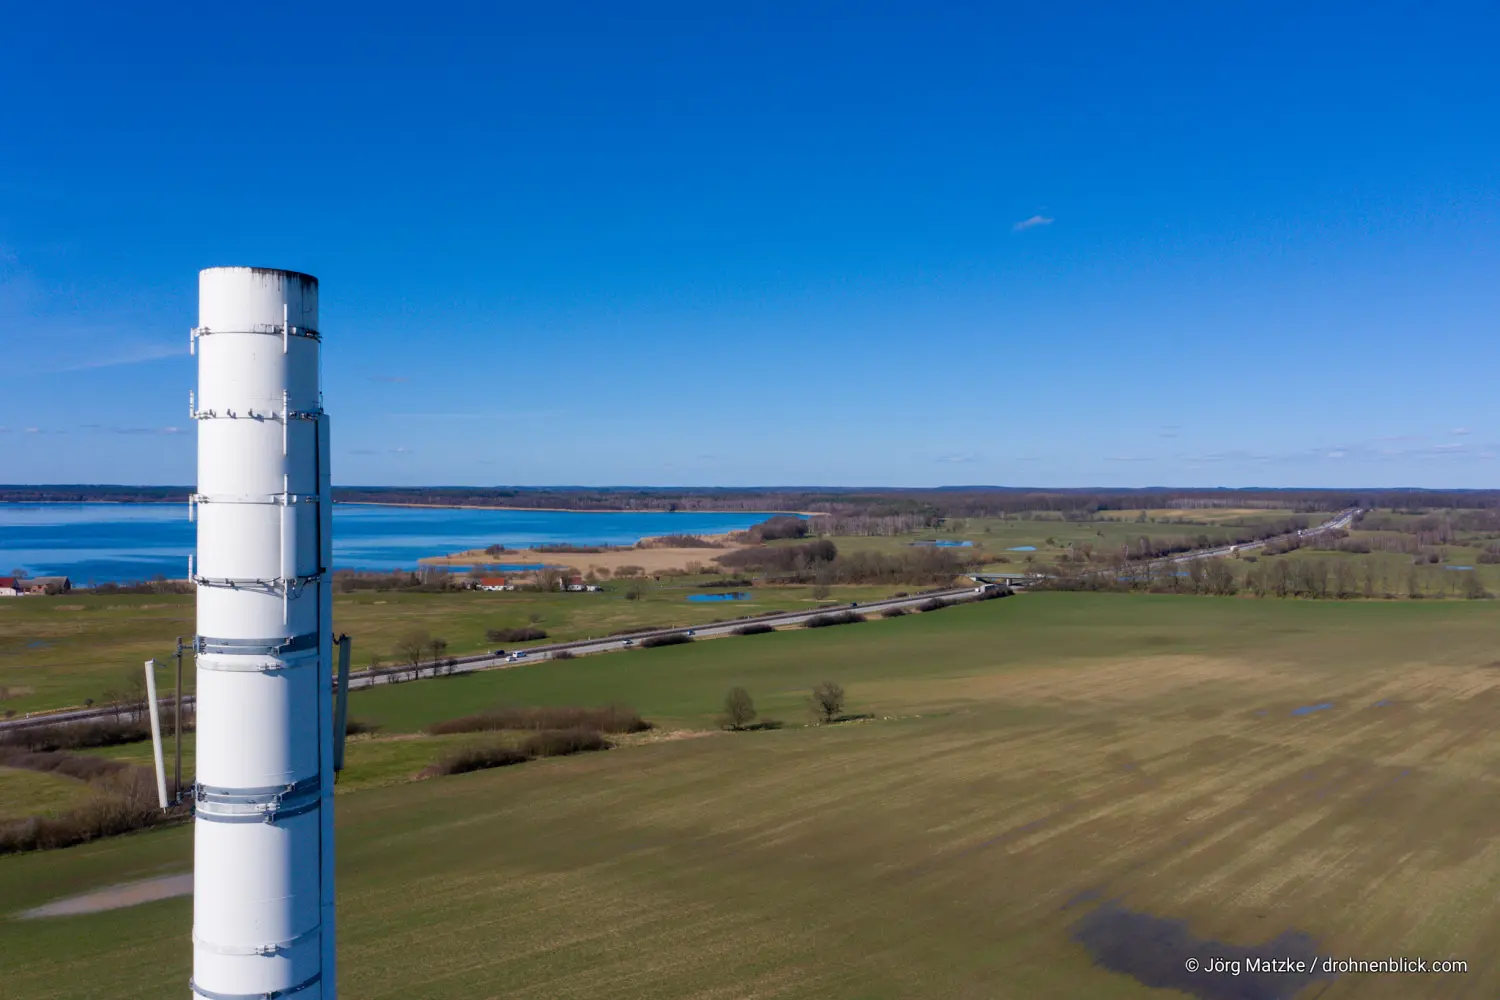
(820, 563)
(964, 501)
(1313, 577)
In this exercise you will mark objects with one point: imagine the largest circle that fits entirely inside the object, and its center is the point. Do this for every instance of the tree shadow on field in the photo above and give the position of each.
(1155, 952)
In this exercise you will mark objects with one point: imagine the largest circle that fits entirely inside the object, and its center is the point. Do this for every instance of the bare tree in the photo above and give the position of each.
(410, 648)
(1473, 586)
(1344, 579)
(1218, 577)
(828, 701)
(438, 645)
(739, 709)
(135, 693)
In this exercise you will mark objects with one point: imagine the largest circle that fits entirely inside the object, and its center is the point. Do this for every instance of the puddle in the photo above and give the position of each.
(115, 897)
(1022, 548)
(1154, 952)
(1310, 709)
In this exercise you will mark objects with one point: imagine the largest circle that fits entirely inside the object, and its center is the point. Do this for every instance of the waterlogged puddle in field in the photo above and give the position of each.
(1022, 548)
(115, 897)
(719, 597)
(1157, 952)
(1310, 709)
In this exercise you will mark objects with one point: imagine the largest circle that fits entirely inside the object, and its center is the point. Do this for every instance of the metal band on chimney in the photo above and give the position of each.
(257, 647)
(306, 984)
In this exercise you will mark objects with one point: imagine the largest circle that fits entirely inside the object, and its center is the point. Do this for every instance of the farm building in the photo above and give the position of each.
(11, 586)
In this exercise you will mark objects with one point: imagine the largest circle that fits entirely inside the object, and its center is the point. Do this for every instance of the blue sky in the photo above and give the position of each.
(810, 243)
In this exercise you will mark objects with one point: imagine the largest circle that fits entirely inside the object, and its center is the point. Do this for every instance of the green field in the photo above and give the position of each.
(1031, 764)
(28, 793)
(59, 651)
(1051, 536)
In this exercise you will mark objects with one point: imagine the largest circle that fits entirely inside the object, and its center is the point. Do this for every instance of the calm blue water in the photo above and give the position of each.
(109, 542)
(1458, 567)
(1022, 548)
(1310, 709)
(946, 544)
(719, 597)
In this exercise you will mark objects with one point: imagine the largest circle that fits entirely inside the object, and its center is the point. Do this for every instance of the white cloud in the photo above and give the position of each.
(1459, 431)
(1035, 220)
(128, 355)
(956, 459)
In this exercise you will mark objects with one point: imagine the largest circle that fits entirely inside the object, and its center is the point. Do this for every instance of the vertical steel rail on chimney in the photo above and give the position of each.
(263, 922)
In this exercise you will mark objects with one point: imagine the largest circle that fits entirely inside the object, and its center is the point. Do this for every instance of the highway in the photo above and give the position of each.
(579, 647)
(1338, 522)
(618, 643)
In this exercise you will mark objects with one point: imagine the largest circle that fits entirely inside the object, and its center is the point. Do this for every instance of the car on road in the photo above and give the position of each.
(497, 652)
(691, 632)
(628, 642)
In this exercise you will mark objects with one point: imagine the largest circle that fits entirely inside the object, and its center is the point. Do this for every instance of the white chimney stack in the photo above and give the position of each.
(263, 922)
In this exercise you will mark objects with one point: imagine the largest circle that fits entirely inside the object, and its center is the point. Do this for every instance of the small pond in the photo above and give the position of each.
(946, 544)
(738, 596)
(1458, 567)
(1022, 548)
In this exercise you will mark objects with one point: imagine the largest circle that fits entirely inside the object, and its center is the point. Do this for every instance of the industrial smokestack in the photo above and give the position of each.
(263, 922)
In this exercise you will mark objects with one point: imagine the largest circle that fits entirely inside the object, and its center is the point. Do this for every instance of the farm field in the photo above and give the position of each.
(29, 793)
(1014, 542)
(59, 651)
(1044, 780)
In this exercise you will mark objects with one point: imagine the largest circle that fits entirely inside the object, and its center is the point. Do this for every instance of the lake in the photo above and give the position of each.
(114, 543)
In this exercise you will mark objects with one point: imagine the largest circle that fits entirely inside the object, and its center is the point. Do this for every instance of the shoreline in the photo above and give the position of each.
(722, 538)
(559, 510)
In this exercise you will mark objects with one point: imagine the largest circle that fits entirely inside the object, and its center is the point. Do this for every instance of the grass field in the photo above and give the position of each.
(28, 793)
(1049, 538)
(1034, 766)
(58, 651)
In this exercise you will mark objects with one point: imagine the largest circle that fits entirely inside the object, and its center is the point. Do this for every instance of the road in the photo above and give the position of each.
(1338, 522)
(579, 647)
(582, 647)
